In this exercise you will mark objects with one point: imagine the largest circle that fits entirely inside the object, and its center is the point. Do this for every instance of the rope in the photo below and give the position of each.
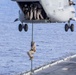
(31, 66)
(32, 30)
(31, 43)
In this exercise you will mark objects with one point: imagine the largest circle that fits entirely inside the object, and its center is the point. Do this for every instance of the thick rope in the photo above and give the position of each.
(31, 43)
(32, 31)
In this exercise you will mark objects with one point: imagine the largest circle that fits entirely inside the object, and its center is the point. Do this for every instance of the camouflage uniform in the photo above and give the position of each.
(32, 51)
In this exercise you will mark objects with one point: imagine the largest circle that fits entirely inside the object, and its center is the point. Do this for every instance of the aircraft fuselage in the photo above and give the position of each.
(54, 10)
(43, 11)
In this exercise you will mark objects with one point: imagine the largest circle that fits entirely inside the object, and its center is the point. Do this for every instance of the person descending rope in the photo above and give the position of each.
(32, 50)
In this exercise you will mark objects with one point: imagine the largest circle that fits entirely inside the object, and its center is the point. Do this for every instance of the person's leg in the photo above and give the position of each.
(31, 14)
(41, 16)
(38, 15)
(35, 14)
(30, 54)
(28, 16)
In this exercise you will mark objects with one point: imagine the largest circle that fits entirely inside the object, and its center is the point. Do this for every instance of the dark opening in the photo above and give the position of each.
(33, 10)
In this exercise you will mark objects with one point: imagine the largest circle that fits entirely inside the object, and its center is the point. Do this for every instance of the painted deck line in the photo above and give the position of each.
(49, 65)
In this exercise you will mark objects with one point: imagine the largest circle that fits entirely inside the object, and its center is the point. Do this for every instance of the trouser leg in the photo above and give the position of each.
(38, 15)
(31, 15)
(30, 54)
(35, 13)
(41, 16)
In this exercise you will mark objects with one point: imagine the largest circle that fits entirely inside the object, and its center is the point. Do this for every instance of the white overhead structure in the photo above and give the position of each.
(51, 11)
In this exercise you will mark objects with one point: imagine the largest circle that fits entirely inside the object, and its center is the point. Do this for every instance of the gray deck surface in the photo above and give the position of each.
(67, 67)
